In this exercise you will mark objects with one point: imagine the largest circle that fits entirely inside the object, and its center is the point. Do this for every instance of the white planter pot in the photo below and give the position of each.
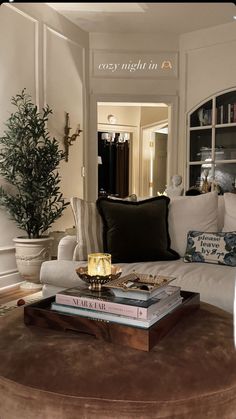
(30, 254)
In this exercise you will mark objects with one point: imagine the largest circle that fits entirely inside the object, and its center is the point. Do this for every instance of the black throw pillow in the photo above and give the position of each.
(136, 231)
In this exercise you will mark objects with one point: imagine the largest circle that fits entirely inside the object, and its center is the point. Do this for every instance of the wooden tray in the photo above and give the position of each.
(40, 314)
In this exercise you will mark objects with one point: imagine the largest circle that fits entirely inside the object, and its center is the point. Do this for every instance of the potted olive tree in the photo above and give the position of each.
(29, 159)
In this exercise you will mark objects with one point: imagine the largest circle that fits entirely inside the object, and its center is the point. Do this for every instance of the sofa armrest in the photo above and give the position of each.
(66, 248)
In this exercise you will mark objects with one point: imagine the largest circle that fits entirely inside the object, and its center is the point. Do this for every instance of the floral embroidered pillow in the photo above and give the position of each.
(219, 248)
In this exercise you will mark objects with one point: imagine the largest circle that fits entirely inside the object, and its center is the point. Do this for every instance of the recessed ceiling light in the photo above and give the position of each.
(234, 17)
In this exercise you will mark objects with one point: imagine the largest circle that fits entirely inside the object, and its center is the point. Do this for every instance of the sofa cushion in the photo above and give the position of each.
(191, 213)
(219, 248)
(215, 283)
(221, 212)
(136, 231)
(230, 212)
(88, 227)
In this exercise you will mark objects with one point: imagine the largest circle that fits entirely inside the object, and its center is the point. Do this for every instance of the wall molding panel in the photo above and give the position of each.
(7, 258)
(46, 29)
(36, 46)
(9, 274)
(65, 92)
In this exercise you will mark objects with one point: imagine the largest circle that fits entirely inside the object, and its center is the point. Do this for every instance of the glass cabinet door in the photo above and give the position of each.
(225, 176)
(225, 143)
(200, 145)
(212, 144)
(202, 116)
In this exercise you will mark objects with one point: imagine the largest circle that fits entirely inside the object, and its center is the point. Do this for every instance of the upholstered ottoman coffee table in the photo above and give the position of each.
(190, 373)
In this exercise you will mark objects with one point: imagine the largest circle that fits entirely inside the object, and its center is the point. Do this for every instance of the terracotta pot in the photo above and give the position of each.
(30, 254)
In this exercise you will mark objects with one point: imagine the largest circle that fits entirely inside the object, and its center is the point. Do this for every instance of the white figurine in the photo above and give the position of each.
(203, 117)
(175, 189)
(205, 186)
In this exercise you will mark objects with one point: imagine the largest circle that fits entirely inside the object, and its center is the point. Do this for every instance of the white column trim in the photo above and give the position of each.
(36, 46)
(46, 29)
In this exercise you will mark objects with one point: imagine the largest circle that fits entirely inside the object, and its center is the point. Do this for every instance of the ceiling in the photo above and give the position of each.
(172, 18)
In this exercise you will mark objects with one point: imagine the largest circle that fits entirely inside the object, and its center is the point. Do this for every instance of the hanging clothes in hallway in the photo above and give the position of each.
(122, 169)
(113, 172)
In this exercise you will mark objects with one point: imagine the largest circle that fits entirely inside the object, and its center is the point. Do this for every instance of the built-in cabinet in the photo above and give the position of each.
(212, 144)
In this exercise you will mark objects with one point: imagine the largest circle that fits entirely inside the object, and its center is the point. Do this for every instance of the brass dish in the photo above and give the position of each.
(95, 282)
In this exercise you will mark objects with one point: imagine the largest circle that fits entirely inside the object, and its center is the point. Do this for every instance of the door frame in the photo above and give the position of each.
(91, 161)
(142, 129)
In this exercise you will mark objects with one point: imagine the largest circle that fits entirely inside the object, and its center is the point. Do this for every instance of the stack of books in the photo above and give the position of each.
(135, 300)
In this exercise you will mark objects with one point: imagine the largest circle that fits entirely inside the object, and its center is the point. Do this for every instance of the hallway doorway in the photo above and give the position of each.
(126, 162)
(153, 164)
(113, 164)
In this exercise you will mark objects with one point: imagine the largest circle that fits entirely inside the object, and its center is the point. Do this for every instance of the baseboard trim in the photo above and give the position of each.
(6, 273)
(4, 249)
(9, 279)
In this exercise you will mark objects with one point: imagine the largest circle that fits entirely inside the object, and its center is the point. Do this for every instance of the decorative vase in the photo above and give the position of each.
(30, 254)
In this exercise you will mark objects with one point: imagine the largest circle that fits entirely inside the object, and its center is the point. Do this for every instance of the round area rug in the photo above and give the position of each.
(48, 374)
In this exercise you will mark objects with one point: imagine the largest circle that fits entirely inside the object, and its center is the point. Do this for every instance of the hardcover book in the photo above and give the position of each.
(106, 301)
(139, 286)
(115, 318)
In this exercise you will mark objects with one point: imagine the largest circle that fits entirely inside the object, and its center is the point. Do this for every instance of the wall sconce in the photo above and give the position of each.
(68, 140)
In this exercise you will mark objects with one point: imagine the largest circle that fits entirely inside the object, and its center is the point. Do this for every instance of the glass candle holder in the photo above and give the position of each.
(99, 264)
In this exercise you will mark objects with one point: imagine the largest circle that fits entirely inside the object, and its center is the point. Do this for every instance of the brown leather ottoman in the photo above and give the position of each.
(190, 374)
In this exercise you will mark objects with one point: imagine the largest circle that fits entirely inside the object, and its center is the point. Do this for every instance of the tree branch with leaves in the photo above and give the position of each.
(29, 159)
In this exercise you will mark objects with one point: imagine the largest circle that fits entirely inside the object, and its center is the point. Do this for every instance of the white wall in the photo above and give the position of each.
(47, 54)
(207, 66)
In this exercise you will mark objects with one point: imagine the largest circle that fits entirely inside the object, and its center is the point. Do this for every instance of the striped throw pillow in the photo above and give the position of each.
(88, 224)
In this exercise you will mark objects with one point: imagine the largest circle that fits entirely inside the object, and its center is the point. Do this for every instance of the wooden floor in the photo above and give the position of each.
(14, 294)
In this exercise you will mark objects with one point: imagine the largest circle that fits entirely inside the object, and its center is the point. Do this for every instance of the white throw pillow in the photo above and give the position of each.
(191, 213)
(88, 227)
(230, 212)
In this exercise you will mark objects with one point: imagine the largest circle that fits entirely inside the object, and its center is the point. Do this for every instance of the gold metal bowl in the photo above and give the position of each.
(95, 282)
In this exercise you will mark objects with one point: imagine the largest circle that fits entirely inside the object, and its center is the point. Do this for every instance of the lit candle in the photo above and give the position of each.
(99, 264)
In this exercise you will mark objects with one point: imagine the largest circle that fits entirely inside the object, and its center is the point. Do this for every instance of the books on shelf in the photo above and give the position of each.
(115, 318)
(106, 301)
(138, 286)
(226, 113)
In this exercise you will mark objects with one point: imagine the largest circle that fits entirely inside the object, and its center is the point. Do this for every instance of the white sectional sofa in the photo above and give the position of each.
(206, 213)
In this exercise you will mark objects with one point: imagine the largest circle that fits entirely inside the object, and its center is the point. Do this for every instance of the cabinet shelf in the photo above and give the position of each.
(200, 127)
(212, 142)
(203, 127)
(210, 162)
(232, 124)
